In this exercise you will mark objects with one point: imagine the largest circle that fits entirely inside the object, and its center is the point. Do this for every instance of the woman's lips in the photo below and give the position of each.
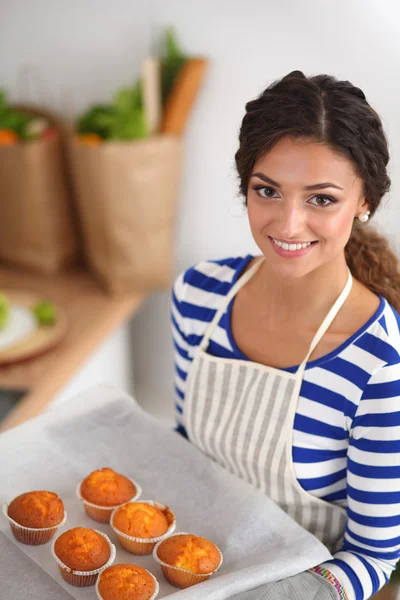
(286, 253)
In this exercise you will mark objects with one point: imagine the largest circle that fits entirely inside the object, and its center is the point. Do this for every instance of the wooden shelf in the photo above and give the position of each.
(92, 317)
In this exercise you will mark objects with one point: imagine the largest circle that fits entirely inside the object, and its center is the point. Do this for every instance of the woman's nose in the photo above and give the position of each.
(291, 220)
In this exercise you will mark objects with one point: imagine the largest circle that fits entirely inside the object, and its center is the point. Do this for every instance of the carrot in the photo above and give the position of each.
(8, 137)
(183, 96)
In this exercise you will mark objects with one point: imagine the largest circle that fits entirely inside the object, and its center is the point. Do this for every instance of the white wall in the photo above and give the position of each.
(91, 47)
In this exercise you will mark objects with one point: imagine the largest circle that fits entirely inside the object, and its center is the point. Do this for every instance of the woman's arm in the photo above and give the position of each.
(181, 348)
(371, 545)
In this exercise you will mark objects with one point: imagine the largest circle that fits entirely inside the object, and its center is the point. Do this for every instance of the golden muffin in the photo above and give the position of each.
(142, 520)
(82, 549)
(188, 559)
(37, 509)
(126, 582)
(103, 490)
(140, 525)
(105, 487)
(82, 554)
(41, 510)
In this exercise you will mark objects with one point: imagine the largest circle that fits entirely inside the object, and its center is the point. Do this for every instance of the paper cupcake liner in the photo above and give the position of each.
(155, 594)
(33, 536)
(142, 546)
(182, 578)
(102, 514)
(84, 578)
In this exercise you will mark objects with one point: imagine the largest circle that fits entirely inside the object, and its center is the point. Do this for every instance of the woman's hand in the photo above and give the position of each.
(304, 586)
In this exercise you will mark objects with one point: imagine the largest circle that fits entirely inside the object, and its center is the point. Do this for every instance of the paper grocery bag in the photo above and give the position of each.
(36, 220)
(126, 195)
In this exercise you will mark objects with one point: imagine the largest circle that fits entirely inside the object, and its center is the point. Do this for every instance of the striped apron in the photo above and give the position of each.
(241, 414)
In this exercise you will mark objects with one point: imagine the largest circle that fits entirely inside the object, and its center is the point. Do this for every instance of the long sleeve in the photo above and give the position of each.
(371, 545)
(181, 349)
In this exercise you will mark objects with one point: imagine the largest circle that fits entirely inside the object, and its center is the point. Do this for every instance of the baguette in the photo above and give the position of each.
(152, 93)
(183, 95)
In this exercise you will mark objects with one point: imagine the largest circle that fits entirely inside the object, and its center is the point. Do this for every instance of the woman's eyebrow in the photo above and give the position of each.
(316, 186)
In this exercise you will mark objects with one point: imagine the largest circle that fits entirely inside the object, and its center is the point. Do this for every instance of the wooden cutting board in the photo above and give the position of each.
(23, 338)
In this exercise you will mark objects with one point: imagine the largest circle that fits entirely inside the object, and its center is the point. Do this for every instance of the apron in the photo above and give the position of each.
(241, 414)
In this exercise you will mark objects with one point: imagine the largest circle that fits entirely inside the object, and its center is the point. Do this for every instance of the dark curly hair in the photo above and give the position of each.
(336, 113)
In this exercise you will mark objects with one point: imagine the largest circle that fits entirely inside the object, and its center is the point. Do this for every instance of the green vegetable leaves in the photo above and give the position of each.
(124, 119)
(12, 119)
(171, 64)
(98, 120)
(4, 311)
(129, 119)
(45, 313)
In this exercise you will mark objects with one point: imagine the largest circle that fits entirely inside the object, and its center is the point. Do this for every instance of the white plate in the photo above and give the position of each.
(22, 324)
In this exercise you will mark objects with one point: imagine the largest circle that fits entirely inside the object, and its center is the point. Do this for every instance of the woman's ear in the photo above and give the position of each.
(362, 206)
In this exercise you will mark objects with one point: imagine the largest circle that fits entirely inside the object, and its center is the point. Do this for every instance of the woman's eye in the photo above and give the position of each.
(265, 192)
(322, 201)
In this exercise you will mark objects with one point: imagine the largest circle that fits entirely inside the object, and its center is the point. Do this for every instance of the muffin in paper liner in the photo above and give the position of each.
(84, 578)
(142, 546)
(102, 514)
(155, 594)
(33, 536)
(178, 577)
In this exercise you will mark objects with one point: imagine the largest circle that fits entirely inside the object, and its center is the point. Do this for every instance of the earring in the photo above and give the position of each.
(364, 218)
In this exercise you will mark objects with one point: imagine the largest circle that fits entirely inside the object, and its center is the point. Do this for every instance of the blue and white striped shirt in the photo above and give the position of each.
(346, 438)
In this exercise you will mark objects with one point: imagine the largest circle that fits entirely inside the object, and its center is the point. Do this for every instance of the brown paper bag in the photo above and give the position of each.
(36, 222)
(126, 194)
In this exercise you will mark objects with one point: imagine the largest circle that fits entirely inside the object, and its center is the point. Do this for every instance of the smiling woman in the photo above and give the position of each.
(288, 364)
(290, 213)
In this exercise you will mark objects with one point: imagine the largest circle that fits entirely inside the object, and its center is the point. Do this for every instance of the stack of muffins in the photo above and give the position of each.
(85, 556)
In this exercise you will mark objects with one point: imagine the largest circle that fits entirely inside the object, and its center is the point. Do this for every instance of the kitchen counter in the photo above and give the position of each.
(92, 317)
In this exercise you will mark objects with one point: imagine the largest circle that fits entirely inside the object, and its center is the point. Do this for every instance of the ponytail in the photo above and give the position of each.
(373, 263)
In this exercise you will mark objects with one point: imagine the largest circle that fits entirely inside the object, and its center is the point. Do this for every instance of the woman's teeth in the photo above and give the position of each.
(291, 247)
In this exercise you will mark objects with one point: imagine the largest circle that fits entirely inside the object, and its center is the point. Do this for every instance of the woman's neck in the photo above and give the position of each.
(302, 301)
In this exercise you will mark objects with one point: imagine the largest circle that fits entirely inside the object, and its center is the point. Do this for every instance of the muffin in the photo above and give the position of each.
(126, 582)
(140, 525)
(35, 516)
(103, 490)
(187, 559)
(82, 554)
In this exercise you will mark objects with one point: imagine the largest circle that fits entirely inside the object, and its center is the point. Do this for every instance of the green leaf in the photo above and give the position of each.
(98, 119)
(137, 94)
(171, 64)
(123, 100)
(45, 313)
(125, 119)
(129, 126)
(128, 99)
(3, 101)
(5, 311)
(12, 119)
(171, 44)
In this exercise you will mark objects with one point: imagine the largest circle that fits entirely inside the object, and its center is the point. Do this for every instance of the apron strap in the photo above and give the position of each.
(326, 323)
(240, 283)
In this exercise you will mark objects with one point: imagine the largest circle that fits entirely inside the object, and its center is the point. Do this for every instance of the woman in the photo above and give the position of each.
(288, 364)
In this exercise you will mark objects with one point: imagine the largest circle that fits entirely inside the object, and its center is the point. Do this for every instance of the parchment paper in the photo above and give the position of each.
(106, 427)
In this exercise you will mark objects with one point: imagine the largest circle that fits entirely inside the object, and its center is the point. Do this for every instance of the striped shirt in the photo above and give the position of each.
(346, 438)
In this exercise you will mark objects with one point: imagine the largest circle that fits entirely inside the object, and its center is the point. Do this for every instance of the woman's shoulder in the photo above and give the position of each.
(215, 277)
(387, 329)
(378, 339)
